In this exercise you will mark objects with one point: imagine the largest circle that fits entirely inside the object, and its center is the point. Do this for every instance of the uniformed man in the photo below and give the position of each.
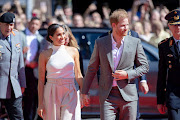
(168, 83)
(12, 73)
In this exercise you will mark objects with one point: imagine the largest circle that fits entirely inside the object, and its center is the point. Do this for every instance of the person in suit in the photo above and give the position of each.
(143, 81)
(116, 54)
(12, 73)
(33, 41)
(168, 83)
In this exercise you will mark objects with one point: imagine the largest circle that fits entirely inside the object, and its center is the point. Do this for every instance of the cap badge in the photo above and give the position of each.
(176, 17)
(170, 55)
(13, 20)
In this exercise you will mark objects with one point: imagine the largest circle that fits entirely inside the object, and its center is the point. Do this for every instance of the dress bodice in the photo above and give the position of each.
(60, 63)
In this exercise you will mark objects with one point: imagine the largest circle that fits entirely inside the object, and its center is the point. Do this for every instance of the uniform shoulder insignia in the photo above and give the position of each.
(129, 33)
(163, 41)
(15, 30)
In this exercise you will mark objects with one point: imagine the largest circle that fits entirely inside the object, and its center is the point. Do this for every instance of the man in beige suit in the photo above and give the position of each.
(116, 54)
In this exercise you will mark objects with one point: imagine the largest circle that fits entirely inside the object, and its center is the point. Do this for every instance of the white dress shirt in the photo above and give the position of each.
(32, 44)
(117, 52)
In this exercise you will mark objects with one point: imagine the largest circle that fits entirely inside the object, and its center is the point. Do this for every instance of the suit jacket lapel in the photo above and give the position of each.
(108, 46)
(13, 43)
(126, 48)
(5, 42)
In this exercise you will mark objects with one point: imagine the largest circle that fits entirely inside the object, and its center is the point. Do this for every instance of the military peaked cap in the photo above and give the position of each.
(173, 17)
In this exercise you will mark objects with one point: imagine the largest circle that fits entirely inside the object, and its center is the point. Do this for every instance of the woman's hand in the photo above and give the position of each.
(41, 111)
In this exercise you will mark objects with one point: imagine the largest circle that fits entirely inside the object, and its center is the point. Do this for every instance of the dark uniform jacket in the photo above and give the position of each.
(168, 83)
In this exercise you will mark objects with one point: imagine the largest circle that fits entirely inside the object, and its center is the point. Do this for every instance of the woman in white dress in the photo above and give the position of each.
(58, 97)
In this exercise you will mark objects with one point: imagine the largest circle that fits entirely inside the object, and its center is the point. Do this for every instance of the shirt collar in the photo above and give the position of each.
(114, 42)
(176, 40)
(28, 32)
(2, 36)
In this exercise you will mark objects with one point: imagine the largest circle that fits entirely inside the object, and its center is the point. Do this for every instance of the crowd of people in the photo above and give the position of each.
(145, 18)
(34, 73)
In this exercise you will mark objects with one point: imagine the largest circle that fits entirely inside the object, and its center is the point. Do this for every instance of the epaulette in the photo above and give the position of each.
(15, 30)
(163, 41)
(171, 42)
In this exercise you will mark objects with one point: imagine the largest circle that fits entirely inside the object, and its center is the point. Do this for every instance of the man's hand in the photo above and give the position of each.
(162, 108)
(25, 49)
(120, 75)
(144, 87)
(86, 100)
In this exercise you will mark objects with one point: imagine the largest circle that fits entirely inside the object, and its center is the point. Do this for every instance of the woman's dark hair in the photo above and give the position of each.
(51, 30)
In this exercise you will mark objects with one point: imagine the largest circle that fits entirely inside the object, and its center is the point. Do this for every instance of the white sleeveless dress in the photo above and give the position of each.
(60, 96)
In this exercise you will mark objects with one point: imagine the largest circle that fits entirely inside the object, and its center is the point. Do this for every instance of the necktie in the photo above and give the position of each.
(9, 41)
(177, 44)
